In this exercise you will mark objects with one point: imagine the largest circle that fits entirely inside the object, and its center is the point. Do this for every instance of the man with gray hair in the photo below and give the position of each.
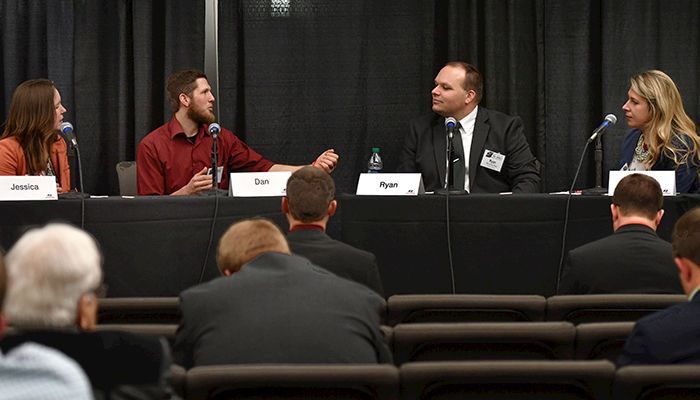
(54, 273)
(274, 307)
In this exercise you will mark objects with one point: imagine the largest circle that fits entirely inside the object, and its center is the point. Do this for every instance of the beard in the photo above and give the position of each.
(200, 116)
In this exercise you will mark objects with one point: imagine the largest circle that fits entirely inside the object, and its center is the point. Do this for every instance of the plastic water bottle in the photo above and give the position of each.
(375, 162)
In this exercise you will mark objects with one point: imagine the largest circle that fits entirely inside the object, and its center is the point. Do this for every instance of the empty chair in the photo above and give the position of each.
(166, 331)
(483, 341)
(607, 307)
(139, 310)
(301, 381)
(464, 308)
(657, 382)
(126, 174)
(507, 380)
(601, 341)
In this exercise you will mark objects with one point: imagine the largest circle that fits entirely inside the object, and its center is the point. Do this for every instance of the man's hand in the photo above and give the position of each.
(199, 182)
(327, 161)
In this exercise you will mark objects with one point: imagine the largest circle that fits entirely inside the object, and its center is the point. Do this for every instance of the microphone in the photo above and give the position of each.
(610, 120)
(215, 128)
(450, 125)
(67, 133)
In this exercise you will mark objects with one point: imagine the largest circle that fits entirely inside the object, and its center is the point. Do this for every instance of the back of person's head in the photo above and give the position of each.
(50, 269)
(310, 191)
(686, 236)
(247, 239)
(30, 120)
(182, 82)
(473, 79)
(639, 195)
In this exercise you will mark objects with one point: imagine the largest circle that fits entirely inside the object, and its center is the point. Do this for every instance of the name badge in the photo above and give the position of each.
(382, 184)
(666, 179)
(28, 188)
(258, 184)
(492, 160)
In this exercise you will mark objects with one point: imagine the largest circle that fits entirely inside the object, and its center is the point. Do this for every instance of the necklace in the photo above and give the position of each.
(641, 152)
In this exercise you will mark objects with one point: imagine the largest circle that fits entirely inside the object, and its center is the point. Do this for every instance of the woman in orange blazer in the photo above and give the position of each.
(31, 144)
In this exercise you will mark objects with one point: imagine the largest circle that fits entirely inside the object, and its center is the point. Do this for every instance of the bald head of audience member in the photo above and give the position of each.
(53, 273)
(246, 240)
(686, 249)
(310, 197)
(637, 200)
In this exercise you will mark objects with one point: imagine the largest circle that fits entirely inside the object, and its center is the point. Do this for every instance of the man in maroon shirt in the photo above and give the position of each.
(174, 158)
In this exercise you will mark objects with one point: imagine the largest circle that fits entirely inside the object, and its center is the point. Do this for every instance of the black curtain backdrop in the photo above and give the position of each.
(300, 76)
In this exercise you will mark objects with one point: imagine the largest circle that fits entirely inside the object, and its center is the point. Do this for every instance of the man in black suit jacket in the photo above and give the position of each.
(498, 158)
(671, 336)
(309, 204)
(634, 259)
(274, 307)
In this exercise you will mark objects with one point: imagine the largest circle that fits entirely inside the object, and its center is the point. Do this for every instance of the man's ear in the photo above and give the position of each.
(332, 207)
(184, 99)
(614, 211)
(659, 215)
(87, 312)
(285, 205)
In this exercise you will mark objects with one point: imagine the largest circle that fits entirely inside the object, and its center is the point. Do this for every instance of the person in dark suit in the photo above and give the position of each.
(308, 205)
(491, 154)
(634, 259)
(670, 336)
(274, 307)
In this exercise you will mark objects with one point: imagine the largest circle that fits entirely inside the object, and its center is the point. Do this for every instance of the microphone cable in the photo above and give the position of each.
(449, 240)
(214, 130)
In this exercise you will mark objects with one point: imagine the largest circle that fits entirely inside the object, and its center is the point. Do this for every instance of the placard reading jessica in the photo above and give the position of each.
(410, 184)
(258, 184)
(28, 188)
(666, 179)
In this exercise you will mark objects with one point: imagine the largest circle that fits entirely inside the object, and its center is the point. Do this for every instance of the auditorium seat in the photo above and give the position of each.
(139, 310)
(580, 309)
(299, 381)
(177, 380)
(601, 341)
(464, 308)
(126, 175)
(165, 330)
(655, 382)
(506, 380)
(483, 341)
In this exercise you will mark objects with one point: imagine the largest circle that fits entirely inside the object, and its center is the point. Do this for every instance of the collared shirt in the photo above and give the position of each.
(166, 160)
(693, 293)
(467, 131)
(33, 371)
(307, 227)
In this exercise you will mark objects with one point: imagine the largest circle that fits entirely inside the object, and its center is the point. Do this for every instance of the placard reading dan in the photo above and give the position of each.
(258, 184)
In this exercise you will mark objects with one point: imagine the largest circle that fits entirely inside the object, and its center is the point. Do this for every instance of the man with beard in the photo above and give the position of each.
(174, 158)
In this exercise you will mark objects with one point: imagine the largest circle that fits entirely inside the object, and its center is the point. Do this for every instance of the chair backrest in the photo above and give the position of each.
(483, 341)
(166, 331)
(139, 310)
(126, 174)
(464, 308)
(507, 380)
(601, 341)
(607, 307)
(300, 381)
(647, 382)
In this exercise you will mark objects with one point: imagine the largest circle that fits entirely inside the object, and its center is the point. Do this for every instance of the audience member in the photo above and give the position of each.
(634, 259)
(53, 274)
(671, 336)
(274, 307)
(309, 204)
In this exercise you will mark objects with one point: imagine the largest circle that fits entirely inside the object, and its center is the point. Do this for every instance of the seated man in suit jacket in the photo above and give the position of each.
(309, 204)
(53, 275)
(274, 307)
(634, 259)
(491, 154)
(671, 336)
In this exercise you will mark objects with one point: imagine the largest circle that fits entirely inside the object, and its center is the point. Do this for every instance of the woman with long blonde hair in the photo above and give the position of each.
(30, 143)
(663, 137)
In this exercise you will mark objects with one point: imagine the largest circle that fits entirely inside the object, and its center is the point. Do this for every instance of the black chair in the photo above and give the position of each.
(601, 341)
(506, 380)
(656, 382)
(299, 381)
(483, 341)
(585, 308)
(139, 310)
(166, 331)
(464, 308)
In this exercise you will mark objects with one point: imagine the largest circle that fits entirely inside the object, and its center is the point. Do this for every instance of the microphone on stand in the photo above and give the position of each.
(214, 130)
(609, 121)
(66, 130)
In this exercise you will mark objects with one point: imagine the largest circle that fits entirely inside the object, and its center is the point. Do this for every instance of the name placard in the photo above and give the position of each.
(666, 179)
(383, 184)
(258, 184)
(28, 188)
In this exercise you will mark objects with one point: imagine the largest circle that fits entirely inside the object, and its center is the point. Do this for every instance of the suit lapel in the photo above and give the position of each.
(481, 131)
(439, 147)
